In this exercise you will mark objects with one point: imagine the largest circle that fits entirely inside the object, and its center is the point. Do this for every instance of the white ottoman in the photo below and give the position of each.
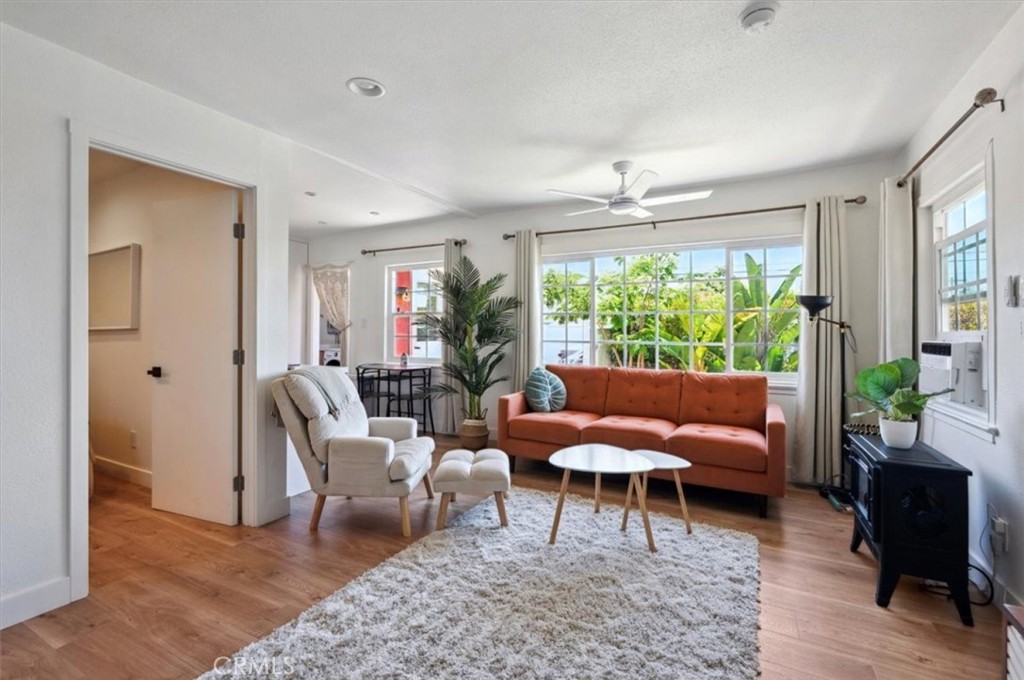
(462, 471)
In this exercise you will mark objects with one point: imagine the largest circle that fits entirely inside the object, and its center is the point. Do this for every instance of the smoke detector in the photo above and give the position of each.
(758, 16)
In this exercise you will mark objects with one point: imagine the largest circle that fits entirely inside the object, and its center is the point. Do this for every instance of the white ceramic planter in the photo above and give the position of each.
(898, 435)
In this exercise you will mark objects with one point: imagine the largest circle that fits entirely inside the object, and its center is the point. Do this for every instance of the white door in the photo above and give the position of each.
(195, 302)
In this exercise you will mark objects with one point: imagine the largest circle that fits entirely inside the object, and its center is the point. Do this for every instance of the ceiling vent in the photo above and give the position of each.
(758, 16)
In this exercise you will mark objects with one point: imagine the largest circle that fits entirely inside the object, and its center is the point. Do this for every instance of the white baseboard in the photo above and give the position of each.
(25, 604)
(130, 473)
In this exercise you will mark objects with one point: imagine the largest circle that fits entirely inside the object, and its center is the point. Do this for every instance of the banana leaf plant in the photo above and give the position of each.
(888, 389)
(477, 324)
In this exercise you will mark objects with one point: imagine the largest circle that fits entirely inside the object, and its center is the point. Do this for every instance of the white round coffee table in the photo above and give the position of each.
(603, 459)
(661, 461)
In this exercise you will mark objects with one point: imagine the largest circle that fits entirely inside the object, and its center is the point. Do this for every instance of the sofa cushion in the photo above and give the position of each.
(561, 427)
(737, 400)
(545, 391)
(586, 387)
(739, 448)
(644, 392)
(629, 432)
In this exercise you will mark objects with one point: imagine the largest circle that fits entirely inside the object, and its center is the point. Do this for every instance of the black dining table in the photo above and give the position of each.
(411, 382)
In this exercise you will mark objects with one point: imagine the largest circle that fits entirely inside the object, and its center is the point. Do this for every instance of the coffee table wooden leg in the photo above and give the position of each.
(682, 501)
(641, 498)
(597, 492)
(558, 508)
(629, 503)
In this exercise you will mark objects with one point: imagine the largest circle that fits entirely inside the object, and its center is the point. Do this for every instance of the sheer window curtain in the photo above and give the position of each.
(896, 272)
(817, 443)
(527, 354)
(331, 282)
(451, 406)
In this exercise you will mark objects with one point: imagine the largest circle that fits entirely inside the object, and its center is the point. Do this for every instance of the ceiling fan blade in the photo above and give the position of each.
(595, 199)
(640, 212)
(641, 184)
(584, 212)
(677, 198)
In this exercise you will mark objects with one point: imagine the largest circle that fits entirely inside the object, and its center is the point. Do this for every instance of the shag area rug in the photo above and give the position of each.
(478, 601)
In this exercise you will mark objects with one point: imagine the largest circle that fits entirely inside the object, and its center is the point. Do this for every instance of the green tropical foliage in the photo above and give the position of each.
(650, 302)
(477, 324)
(889, 389)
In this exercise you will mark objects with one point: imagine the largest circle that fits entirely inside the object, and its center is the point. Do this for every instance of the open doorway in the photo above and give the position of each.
(165, 338)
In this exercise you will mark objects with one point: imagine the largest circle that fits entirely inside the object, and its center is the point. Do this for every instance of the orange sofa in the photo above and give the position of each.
(722, 424)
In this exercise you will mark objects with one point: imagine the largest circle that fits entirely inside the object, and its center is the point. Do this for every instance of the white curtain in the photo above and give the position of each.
(331, 284)
(817, 445)
(896, 272)
(528, 354)
(451, 406)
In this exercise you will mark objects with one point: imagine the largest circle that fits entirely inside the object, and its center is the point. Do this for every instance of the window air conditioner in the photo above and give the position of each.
(959, 365)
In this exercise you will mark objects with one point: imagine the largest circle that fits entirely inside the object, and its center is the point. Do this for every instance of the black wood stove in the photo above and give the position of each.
(910, 507)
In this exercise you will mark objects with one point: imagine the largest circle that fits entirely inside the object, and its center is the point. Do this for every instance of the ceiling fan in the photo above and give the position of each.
(630, 200)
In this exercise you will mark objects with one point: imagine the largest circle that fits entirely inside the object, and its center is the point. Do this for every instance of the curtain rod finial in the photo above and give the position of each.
(861, 200)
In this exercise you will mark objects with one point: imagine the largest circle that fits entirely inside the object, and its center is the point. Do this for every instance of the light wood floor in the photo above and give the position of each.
(170, 594)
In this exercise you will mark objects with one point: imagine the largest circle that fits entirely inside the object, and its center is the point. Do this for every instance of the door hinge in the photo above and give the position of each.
(238, 483)
(238, 357)
(239, 230)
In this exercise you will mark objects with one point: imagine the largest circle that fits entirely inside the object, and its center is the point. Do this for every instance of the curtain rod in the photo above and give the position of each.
(459, 242)
(981, 100)
(860, 200)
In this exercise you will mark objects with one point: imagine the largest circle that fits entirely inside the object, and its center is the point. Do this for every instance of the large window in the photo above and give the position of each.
(961, 242)
(713, 309)
(411, 294)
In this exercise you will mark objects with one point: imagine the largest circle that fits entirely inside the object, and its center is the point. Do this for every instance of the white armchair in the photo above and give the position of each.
(343, 452)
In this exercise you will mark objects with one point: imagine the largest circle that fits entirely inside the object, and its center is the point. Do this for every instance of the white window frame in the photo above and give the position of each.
(979, 422)
(390, 314)
(785, 381)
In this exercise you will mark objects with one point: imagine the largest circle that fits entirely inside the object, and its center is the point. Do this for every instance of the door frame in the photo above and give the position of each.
(82, 139)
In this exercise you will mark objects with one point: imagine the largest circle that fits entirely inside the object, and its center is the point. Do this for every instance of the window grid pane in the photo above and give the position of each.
(709, 309)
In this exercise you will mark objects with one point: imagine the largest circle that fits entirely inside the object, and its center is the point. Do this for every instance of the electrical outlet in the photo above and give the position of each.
(133, 439)
(1000, 537)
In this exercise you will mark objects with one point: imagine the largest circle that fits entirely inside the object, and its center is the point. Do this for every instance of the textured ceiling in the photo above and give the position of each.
(491, 103)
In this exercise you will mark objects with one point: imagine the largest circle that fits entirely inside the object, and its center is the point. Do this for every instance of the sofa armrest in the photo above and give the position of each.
(395, 429)
(509, 406)
(359, 462)
(775, 433)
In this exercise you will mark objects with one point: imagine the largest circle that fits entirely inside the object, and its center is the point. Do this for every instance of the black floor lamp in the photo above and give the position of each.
(815, 304)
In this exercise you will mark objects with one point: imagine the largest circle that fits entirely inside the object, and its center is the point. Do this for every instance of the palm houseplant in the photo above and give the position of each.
(888, 389)
(477, 325)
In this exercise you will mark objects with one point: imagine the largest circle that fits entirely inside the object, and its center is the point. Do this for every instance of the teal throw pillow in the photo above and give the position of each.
(545, 391)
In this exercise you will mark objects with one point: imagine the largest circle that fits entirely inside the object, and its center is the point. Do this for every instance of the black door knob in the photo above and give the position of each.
(156, 372)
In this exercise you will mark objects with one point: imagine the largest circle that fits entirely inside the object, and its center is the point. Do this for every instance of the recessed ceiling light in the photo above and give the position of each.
(374, 213)
(365, 87)
(322, 223)
(310, 193)
(758, 16)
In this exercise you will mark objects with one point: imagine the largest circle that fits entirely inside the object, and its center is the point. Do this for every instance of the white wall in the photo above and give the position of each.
(998, 467)
(492, 255)
(43, 87)
(298, 290)
(120, 392)
(298, 351)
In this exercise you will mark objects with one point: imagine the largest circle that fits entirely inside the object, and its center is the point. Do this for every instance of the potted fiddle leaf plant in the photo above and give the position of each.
(888, 389)
(477, 325)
